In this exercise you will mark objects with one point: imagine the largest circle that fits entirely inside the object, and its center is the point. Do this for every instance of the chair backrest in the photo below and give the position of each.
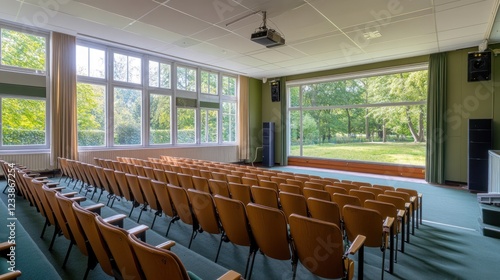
(269, 228)
(265, 196)
(295, 182)
(314, 185)
(201, 184)
(278, 180)
(308, 192)
(135, 188)
(249, 181)
(269, 184)
(262, 177)
(234, 220)
(185, 181)
(410, 192)
(111, 179)
(385, 209)
(293, 204)
(149, 193)
(323, 182)
(104, 181)
(364, 221)
(206, 174)
(361, 184)
(117, 241)
(233, 179)
(160, 175)
(332, 180)
(345, 199)
(240, 192)
(122, 183)
(384, 187)
(77, 233)
(283, 187)
(172, 178)
(56, 209)
(332, 189)
(375, 191)
(93, 234)
(362, 195)
(204, 209)
(324, 210)
(403, 195)
(139, 169)
(157, 263)
(180, 200)
(310, 234)
(346, 186)
(218, 187)
(395, 200)
(149, 172)
(161, 191)
(219, 176)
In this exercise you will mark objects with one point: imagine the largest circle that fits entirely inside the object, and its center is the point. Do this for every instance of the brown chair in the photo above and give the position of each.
(293, 204)
(233, 179)
(268, 184)
(389, 210)
(345, 199)
(324, 210)
(183, 209)
(417, 201)
(219, 187)
(161, 192)
(346, 186)
(204, 209)
(384, 187)
(375, 191)
(314, 185)
(265, 196)
(157, 262)
(116, 239)
(185, 181)
(201, 184)
(150, 197)
(321, 181)
(269, 228)
(362, 195)
(409, 205)
(369, 223)
(240, 192)
(361, 184)
(400, 204)
(310, 234)
(320, 194)
(139, 198)
(219, 176)
(113, 184)
(295, 182)
(172, 178)
(332, 190)
(122, 182)
(332, 180)
(278, 180)
(160, 175)
(249, 181)
(88, 223)
(289, 188)
(206, 174)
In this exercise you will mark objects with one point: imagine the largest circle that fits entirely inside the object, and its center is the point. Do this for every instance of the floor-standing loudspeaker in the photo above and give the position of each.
(268, 144)
(480, 141)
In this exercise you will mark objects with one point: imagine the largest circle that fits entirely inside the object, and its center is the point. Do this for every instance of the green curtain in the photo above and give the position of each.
(284, 141)
(436, 119)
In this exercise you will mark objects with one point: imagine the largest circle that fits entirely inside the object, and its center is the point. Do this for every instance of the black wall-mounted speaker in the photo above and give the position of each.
(479, 66)
(275, 91)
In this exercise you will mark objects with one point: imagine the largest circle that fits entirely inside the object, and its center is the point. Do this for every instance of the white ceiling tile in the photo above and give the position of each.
(175, 21)
(462, 16)
(249, 61)
(236, 43)
(209, 11)
(128, 8)
(210, 33)
(271, 56)
(153, 32)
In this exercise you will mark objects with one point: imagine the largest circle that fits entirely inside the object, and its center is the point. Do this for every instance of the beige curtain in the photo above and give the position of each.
(63, 98)
(243, 121)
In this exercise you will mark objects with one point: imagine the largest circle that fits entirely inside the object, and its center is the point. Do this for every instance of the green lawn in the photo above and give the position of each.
(389, 152)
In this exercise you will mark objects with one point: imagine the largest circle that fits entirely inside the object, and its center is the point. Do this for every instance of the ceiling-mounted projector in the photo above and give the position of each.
(267, 37)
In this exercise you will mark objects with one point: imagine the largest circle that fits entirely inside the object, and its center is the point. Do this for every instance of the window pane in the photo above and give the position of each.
(91, 115)
(82, 61)
(209, 126)
(127, 116)
(134, 70)
(209, 82)
(228, 86)
(23, 121)
(23, 50)
(153, 73)
(186, 78)
(97, 63)
(229, 121)
(186, 126)
(120, 67)
(294, 97)
(159, 74)
(164, 75)
(295, 133)
(159, 119)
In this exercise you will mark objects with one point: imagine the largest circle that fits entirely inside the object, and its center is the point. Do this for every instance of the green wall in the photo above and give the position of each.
(465, 100)
(255, 118)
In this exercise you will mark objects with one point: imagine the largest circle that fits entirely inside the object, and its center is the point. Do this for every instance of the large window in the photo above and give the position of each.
(374, 118)
(23, 122)
(23, 106)
(91, 109)
(127, 116)
(128, 98)
(159, 119)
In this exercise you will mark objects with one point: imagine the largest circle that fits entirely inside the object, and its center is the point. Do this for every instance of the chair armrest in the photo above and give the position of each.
(10, 275)
(69, 194)
(358, 242)
(116, 219)
(51, 184)
(166, 245)
(95, 208)
(412, 199)
(388, 224)
(5, 246)
(78, 198)
(230, 275)
(138, 229)
(38, 178)
(401, 213)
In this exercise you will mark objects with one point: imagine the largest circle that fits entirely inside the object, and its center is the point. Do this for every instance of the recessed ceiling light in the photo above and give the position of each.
(372, 35)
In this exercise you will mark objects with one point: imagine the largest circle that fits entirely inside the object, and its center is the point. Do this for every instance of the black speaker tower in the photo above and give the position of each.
(480, 141)
(479, 66)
